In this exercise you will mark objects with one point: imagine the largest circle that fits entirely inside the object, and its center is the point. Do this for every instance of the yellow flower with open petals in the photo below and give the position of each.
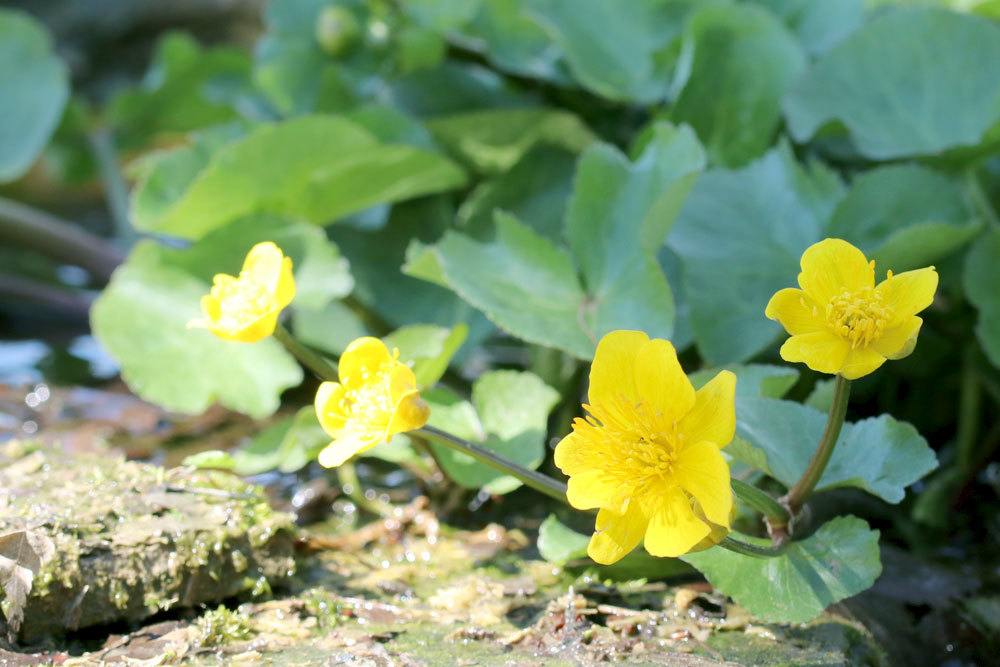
(246, 308)
(375, 399)
(840, 321)
(648, 456)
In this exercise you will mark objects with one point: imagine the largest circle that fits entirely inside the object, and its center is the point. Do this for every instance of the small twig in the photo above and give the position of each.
(70, 302)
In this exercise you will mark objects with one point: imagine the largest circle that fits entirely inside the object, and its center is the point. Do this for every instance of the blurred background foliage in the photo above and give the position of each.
(495, 183)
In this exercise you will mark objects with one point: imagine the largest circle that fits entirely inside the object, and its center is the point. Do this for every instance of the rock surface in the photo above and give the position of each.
(132, 539)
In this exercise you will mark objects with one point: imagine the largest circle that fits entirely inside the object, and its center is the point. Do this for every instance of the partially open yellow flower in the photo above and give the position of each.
(246, 308)
(375, 399)
(841, 322)
(648, 456)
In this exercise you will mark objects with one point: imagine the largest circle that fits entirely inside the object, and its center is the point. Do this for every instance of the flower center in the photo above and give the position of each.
(369, 403)
(649, 458)
(244, 300)
(858, 317)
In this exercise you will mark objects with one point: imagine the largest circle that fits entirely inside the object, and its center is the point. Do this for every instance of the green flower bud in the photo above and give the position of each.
(337, 30)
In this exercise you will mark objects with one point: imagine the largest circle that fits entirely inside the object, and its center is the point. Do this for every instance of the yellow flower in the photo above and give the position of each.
(841, 322)
(375, 399)
(246, 308)
(648, 455)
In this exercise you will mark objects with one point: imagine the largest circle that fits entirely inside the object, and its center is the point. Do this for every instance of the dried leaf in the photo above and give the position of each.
(22, 554)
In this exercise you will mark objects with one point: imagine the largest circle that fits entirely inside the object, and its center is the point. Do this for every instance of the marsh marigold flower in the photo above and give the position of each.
(840, 321)
(246, 308)
(648, 457)
(375, 399)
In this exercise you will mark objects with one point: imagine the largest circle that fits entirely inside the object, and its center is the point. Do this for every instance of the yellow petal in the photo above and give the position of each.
(344, 447)
(861, 362)
(796, 311)
(664, 391)
(908, 293)
(821, 351)
(899, 341)
(259, 330)
(616, 534)
(713, 416)
(578, 453)
(264, 261)
(327, 400)
(284, 291)
(832, 266)
(702, 471)
(362, 358)
(411, 413)
(612, 375)
(673, 526)
(401, 381)
(593, 489)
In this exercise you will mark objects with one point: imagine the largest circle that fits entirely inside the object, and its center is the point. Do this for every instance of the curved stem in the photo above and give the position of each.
(530, 478)
(54, 237)
(750, 549)
(772, 510)
(324, 368)
(835, 421)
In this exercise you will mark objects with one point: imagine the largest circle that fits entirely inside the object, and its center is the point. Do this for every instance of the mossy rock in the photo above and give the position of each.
(133, 539)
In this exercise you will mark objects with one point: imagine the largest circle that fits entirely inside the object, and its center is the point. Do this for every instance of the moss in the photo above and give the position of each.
(221, 626)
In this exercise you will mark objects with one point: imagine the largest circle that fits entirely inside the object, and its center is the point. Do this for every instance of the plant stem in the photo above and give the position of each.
(47, 234)
(772, 510)
(316, 362)
(750, 549)
(981, 201)
(531, 478)
(102, 145)
(351, 485)
(32, 293)
(835, 421)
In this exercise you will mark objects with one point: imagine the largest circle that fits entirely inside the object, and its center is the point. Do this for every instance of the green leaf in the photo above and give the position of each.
(617, 218)
(34, 87)
(744, 61)
(879, 455)
(621, 55)
(819, 25)
(319, 168)
(753, 379)
(214, 459)
(508, 415)
(287, 445)
(510, 39)
(740, 235)
(839, 560)
(522, 282)
(904, 216)
(536, 189)
(141, 320)
(493, 140)
(186, 88)
(904, 84)
(981, 277)
(821, 397)
(558, 543)
(427, 348)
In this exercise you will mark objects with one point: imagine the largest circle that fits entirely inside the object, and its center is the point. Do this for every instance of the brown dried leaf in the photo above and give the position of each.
(22, 553)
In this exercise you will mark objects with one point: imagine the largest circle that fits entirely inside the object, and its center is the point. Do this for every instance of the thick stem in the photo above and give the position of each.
(531, 478)
(835, 421)
(317, 363)
(772, 510)
(28, 291)
(51, 236)
(969, 404)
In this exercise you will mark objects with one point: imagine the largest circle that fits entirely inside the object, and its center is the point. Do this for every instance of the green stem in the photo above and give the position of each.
(57, 238)
(531, 478)
(835, 421)
(351, 485)
(772, 510)
(750, 549)
(314, 361)
(102, 145)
